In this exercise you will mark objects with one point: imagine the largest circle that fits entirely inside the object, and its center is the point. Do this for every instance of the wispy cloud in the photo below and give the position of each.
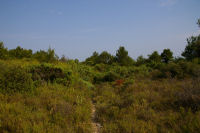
(56, 12)
(167, 3)
(89, 30)
(59, 13)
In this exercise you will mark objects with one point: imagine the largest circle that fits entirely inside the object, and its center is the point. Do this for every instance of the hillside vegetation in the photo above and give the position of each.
(42, 93)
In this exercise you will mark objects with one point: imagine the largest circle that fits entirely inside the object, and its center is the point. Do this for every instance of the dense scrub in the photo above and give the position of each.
(42, 98)
(15, 78)
(57, 97)
(149, 106)
(52, 108)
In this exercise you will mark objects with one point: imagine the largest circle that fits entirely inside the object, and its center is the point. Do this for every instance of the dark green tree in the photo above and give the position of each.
(51, 55)
(92, 60)
(198, 22)
(140, 60)
(123, 58)
(192, 50)
(20, 53)
(63, 59)
(154, 57)
(3, 51)
(40, 56)
(1, 45)
(105, 58)
(44, 56)
(154, 60)
(166, 55)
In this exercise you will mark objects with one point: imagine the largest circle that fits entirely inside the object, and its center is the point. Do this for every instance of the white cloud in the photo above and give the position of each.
(59, 13)
(167, 3)
(89, 30)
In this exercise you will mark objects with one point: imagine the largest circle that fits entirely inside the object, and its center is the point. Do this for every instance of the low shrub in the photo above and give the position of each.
(178, 70)
(106, 77)
(15, 79)
(49, 73)
(52, 109)
(167, 105)
(189, 96)
(110, 76)
(86, 72)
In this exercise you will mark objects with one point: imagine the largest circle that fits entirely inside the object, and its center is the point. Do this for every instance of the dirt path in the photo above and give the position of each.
(95, 125)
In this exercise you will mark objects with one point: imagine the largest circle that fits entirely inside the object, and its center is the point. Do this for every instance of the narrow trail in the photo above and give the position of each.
(95, 125)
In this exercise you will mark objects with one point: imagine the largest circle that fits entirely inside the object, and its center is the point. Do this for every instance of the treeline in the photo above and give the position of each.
(191, 53)
(20, 53)
(123, 59)
(161, 65)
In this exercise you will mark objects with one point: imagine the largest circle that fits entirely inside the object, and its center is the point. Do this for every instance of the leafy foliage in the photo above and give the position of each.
(44, 56)
(141, 60)
(3, 51)
(166, 55)
(105, 58)
(48, 73)
(20, 53)
(15, 79)
(122, 57)
(154, 57)
(192, 50)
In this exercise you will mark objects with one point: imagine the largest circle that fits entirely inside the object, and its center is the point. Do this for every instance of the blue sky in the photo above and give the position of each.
(77, 28)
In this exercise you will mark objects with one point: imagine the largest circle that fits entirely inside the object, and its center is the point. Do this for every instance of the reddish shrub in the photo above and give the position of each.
(119, 82)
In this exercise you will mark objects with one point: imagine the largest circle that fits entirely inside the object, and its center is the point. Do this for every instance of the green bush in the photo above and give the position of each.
(3, 51)
(141, 71)
(157, 74)
(110, 76)
(46, 56)
(106, 77)
(190, 69)
(98, 78)
(63, 81)
(15, 79)
(189, 96)
(178, 70)
(53, 109)
(149, 106)
(101, 67)
(86, 72)
(121, 70)
(48, 73)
